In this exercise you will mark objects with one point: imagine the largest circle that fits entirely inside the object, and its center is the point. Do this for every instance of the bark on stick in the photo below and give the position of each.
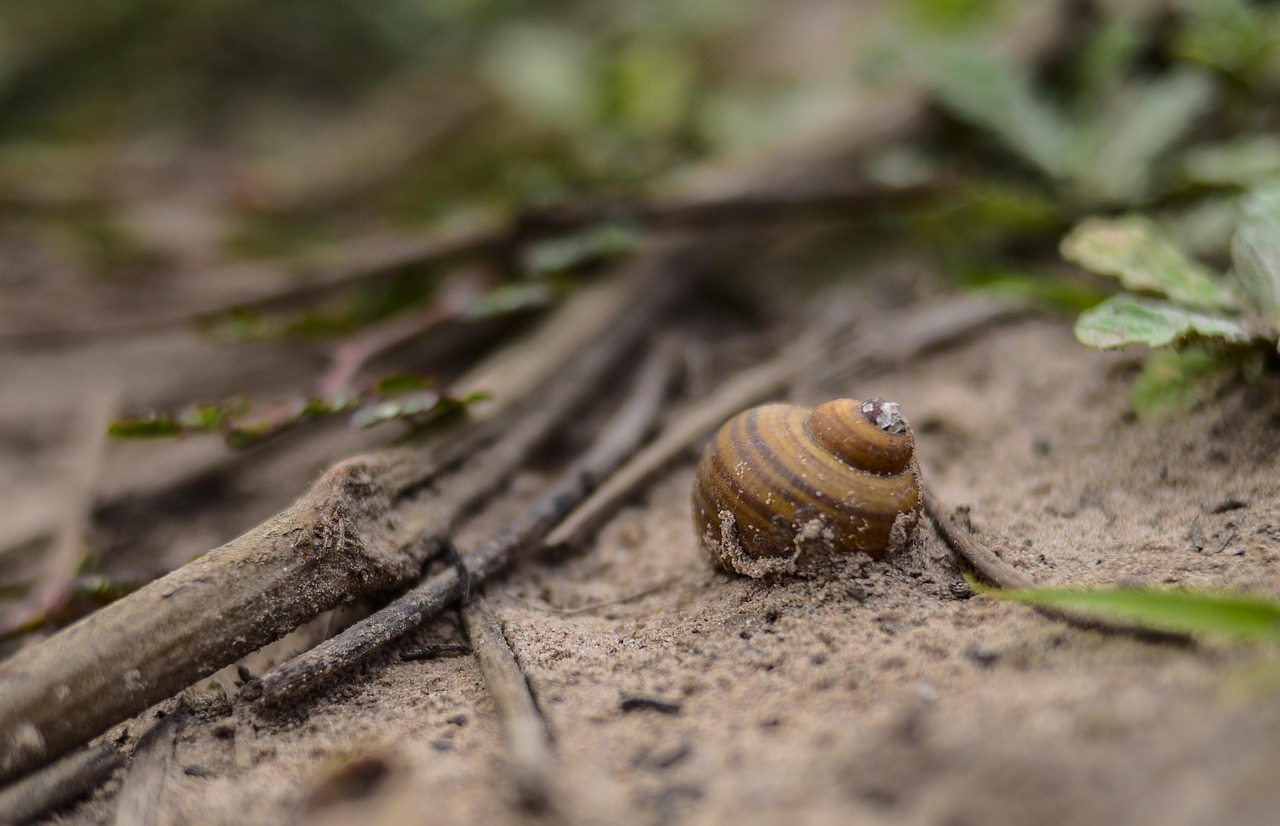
(356, 532)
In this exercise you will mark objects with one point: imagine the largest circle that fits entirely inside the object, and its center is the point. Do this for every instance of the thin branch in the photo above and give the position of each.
(350, 356)
(619, 439)
(591, 606)
(61, 560)
(66, 781)
(978, 556)
(923, 330)
(530, 761)
(371, 258)
(336, 388)
(142, 797)
(996, 571)
(363, 528)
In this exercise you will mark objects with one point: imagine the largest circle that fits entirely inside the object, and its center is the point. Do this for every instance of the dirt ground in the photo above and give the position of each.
(873, 692)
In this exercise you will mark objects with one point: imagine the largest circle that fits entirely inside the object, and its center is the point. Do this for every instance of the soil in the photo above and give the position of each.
(858, 692)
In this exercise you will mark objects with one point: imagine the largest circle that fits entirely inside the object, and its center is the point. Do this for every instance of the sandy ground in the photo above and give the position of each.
(871, 692)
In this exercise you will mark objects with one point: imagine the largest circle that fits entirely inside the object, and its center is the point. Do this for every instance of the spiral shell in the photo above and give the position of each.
(780, 481)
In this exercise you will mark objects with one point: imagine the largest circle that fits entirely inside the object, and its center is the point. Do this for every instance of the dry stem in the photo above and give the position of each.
(67, 780)
(64, 555)
(358, 531)
(922, 331)
(1001, 574)
(624, 431)
(141, 800)
(530, 761)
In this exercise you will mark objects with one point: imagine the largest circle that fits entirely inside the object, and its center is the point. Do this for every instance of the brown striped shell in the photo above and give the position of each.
(779, 481)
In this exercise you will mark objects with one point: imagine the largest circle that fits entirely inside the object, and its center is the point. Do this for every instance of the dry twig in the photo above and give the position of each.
(142, 798)
(1001, 574)
(363, 528)
(619, 439)
(923, 330)
(67, 780)
(530, 762)
(59, 563)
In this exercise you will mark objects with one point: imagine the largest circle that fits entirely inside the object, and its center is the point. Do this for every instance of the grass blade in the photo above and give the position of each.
(1233, 616)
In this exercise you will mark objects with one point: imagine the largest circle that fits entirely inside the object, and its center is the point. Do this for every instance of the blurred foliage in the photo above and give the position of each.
(406, 398)
(1152, 133)
(559, 96)
(282, 130)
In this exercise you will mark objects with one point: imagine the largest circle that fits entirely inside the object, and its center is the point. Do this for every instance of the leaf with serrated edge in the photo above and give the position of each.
(1123, 321)
(1230, 615)
(1255, 252)
(1133, 250)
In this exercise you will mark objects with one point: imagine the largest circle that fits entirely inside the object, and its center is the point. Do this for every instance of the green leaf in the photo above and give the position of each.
(1133, 250)
(1140, 123)
(152, 428)
(951, 15)
(1230, 615)
(1115, 42)
(649, 87)
(1039, 287)
(1179, 382)
(1203, 227)
(157, 427)
(414, 404)
(214, 417)
(510, 299)
(999, 96)
(400, 384)
(547, 70)
(1234, 36)
(1255, 252)
(1241, 162)
(1122, 321)
(564, 253)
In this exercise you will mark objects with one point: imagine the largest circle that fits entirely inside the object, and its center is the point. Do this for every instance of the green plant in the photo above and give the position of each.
(1098, 137)
(1214, 322)
(1234, 616)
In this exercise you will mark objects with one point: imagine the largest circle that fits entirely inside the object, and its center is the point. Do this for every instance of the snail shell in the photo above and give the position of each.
(780, 480)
